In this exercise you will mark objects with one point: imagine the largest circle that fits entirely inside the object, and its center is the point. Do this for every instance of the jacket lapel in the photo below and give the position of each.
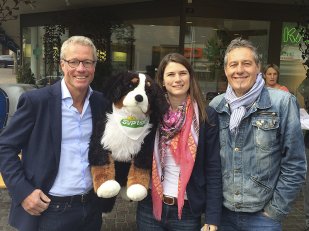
(54, 105)
(96, 107)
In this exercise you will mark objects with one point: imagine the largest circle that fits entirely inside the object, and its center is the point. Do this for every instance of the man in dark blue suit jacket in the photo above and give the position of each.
(51, 185)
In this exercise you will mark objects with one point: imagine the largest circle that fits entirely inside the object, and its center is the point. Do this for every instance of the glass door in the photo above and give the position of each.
(140, 44)
(205, 44)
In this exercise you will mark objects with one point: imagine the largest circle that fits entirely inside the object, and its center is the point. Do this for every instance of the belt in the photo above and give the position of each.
(168, 200)
(83, 198)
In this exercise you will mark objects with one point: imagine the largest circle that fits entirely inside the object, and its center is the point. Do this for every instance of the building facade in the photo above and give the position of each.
(136, 36)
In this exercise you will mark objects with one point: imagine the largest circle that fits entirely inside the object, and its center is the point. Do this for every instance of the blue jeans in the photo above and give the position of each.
(239, 221)
(77, 216)
(169, 222)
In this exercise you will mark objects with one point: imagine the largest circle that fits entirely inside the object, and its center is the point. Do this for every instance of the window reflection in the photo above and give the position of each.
(141, 44)
(205, 44)
(292, 72)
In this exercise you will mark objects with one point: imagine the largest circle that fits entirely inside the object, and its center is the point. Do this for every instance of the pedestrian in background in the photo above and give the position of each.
(271, 75)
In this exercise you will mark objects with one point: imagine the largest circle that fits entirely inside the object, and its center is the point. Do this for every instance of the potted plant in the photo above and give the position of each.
(24, 74)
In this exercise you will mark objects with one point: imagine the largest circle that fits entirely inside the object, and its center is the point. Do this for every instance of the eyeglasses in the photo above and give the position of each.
(74, 63)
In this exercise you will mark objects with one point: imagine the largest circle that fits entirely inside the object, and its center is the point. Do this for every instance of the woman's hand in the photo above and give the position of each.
(207, 227)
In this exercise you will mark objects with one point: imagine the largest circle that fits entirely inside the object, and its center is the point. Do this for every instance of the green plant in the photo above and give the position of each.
(214, 52)
(52, 45)
(303, 30)
(24, 74)
(216, 47)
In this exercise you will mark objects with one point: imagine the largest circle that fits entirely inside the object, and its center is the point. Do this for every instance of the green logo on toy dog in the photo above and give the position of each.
(132, 122)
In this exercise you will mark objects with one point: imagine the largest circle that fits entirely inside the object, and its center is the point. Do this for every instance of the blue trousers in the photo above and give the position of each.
(239, 221)
(67, 216)
(169, 222)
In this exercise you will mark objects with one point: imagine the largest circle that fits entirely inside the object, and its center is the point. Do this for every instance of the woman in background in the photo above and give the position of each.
(186, 172)
(271, 75)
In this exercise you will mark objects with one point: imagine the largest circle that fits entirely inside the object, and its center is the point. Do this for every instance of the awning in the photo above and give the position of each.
(8, 42)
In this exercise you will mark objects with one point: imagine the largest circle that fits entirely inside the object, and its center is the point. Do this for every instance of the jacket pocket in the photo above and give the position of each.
(265, 129)
(257, 191)
(29, 174)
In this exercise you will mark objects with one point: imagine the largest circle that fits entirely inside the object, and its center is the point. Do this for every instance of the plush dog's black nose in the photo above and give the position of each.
(139, 98)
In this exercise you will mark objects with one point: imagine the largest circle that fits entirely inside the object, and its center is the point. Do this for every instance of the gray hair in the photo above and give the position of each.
(81, 40)
(242, 43)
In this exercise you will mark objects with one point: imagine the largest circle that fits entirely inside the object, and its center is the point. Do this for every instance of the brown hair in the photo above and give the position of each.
(274, 66)
(194, 90)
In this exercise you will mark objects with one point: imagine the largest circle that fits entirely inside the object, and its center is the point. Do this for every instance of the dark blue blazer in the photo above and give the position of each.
(206, 173)
(36, 130)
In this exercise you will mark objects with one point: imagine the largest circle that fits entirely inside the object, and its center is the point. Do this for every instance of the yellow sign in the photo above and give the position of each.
(119, 56)
(2, 185)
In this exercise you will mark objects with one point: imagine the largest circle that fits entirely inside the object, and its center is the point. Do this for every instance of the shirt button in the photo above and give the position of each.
(236, 149)
(237, 193)
(237, 206)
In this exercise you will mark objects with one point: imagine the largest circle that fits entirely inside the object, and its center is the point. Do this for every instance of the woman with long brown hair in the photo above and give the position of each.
(186, 172)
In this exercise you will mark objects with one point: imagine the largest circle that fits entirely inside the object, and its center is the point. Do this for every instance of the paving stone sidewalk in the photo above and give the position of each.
(122, 218)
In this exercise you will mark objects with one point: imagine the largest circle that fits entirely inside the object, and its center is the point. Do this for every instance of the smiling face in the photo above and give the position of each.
(241, 70)
(176, 79)
(78, 79)
(271, 77)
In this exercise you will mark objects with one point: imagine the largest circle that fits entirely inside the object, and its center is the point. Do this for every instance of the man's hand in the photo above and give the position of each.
(36, 203)
(265, 214)
(207, 227)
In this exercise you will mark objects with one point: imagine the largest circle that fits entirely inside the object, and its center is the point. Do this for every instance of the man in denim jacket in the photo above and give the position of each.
(262, 146)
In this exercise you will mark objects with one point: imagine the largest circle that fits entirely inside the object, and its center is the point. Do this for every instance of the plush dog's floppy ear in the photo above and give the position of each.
(113, 87)
(117, 86)
(159, 105)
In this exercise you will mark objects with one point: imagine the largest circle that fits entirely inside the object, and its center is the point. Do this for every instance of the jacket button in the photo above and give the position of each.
(236, 149)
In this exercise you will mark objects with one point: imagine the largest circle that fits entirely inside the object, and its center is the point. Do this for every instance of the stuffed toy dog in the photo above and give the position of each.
(121, 147)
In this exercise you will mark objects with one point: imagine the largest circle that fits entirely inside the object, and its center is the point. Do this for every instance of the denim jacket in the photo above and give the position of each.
(264, 163)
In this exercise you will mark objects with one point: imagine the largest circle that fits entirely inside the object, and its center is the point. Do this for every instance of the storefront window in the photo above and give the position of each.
(34, 53)
(205, 44)
(141, 44)
(292, 72)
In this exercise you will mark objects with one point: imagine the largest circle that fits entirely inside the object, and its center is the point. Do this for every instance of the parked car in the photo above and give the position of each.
(6, 61)
(48, 80)
(9, 95)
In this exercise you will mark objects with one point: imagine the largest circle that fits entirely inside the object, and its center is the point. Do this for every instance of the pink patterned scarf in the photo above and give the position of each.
(181, 128)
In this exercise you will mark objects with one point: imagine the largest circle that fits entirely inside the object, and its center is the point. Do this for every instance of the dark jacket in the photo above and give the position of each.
(206, 173)
(36, 130)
